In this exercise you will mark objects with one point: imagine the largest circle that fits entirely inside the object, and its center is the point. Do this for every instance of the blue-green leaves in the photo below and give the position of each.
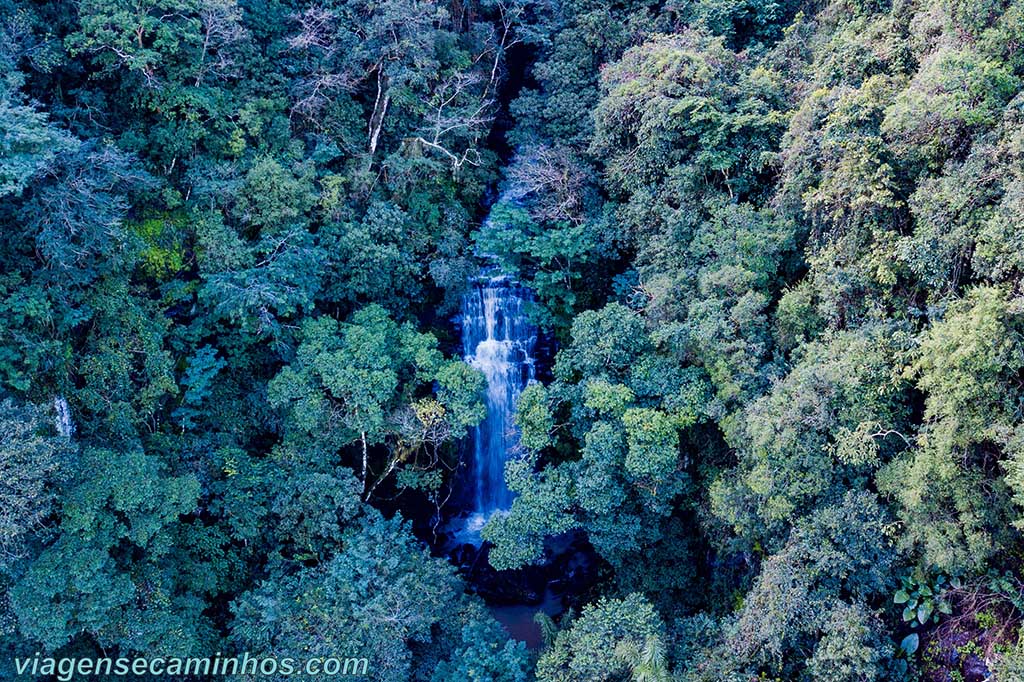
(27, 144)
(923, 601)
(910, 643)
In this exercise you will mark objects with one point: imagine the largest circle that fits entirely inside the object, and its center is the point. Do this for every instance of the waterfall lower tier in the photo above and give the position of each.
(498, 340)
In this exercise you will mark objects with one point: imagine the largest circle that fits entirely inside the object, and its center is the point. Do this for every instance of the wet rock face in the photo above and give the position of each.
(569, 569)
(504, 588)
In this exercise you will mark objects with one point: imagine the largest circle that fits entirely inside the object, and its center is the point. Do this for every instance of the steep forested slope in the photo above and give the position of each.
(779, 245)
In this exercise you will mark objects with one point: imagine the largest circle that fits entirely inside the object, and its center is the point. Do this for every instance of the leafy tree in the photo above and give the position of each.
(605, 344)
(963, 95)
(673, 102)
(29, 144)
(937, 484)
(813, 596)
(821, 430)
(581, 651)
(112, 573)
(362, 382)
(375, 599)
(34, 458)
(481, 656)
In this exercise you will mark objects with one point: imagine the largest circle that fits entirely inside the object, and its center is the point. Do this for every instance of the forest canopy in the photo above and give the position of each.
(776, 248)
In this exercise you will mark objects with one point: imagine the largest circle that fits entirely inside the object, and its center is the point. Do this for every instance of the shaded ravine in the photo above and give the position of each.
(498, 338)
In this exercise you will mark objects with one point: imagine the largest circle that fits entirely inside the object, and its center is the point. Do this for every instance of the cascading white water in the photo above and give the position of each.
(498, 340)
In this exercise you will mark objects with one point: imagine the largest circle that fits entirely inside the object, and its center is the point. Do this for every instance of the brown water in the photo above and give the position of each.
(518, 619)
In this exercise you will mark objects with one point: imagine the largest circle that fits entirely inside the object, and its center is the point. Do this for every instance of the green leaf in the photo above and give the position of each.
(924, 611)
(901, 597)
(908, 614)
(910, 643)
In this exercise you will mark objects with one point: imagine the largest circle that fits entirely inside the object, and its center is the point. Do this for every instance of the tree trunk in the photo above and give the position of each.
(365, 457)
(380, 108)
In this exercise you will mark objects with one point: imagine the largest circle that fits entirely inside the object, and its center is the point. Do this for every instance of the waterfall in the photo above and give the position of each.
(498, 340)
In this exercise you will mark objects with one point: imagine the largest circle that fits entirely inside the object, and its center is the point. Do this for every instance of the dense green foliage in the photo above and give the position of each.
(779, 244)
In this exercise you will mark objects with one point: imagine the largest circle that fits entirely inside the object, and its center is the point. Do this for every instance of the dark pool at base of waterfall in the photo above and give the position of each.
(520, 622)
(568, 570)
